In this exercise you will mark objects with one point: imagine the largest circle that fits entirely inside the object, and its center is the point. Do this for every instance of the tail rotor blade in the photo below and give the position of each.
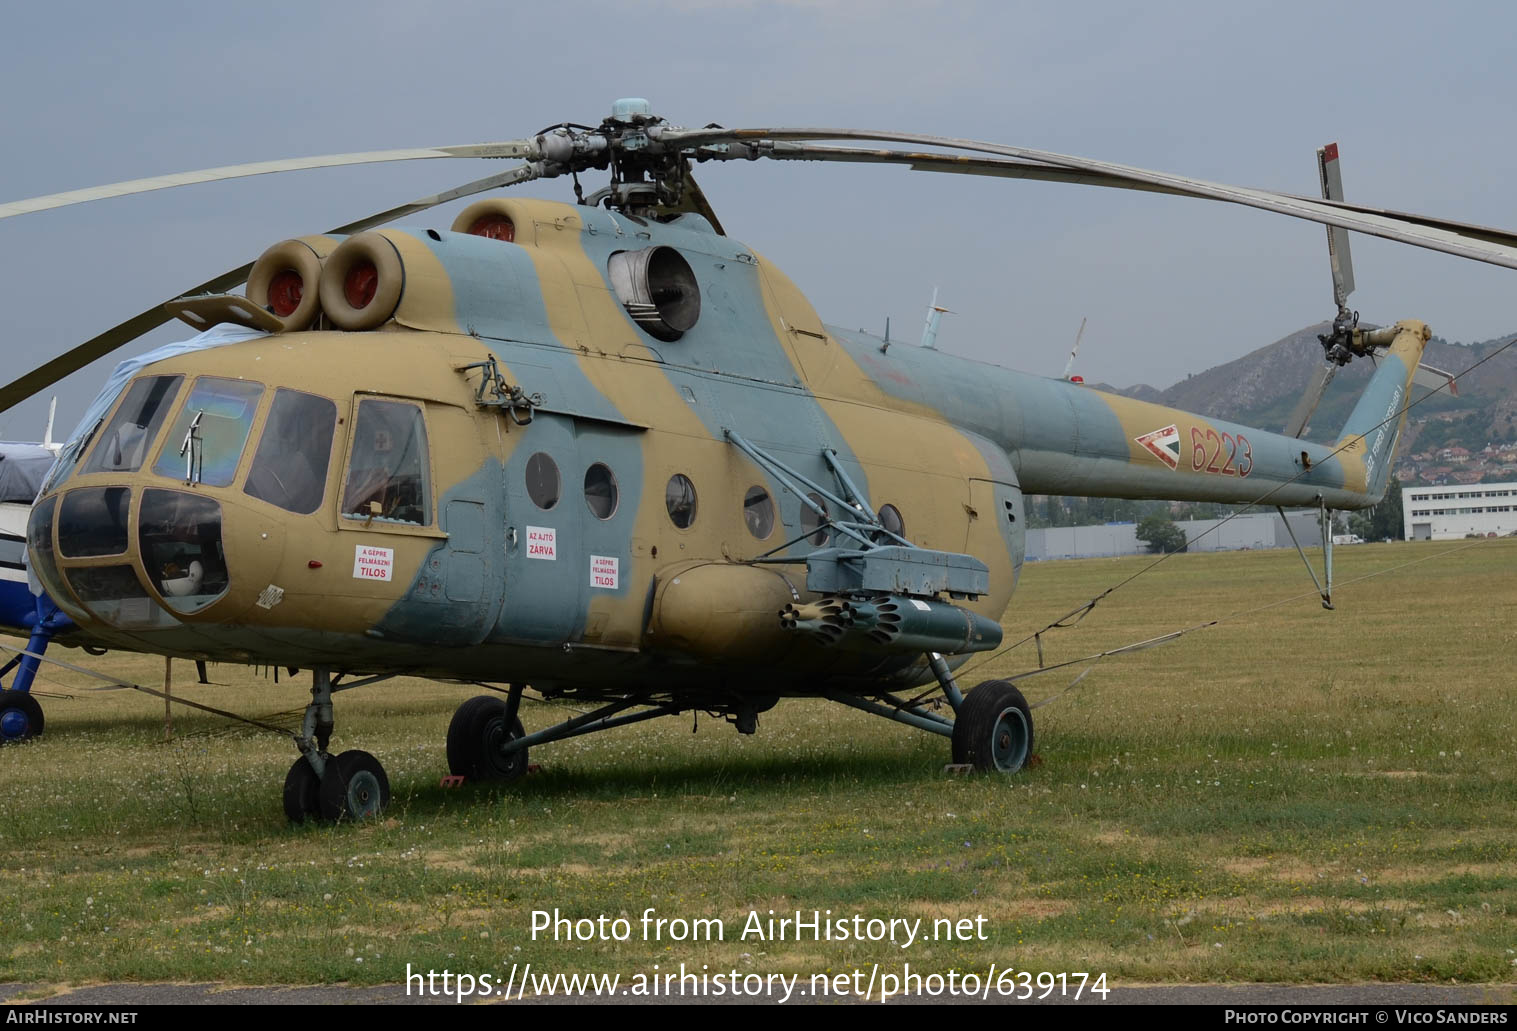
(1302, 416)
(1331, 176)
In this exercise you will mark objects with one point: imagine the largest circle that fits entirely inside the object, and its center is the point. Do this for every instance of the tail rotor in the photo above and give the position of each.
(1338, 343)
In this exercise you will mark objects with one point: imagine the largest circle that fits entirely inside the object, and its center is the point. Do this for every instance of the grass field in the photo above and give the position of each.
(1292, 795)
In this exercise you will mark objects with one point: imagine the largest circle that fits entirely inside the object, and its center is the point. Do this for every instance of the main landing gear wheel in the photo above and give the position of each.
(354, 787)
(302, 792)
(993, 730)
(475, 737)
(20, 717)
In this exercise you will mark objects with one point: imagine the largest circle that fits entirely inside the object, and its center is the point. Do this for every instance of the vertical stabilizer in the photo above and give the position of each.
(1368, 440)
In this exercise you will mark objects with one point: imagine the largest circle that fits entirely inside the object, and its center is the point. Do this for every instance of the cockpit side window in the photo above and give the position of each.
(290, 466)
(387, 472)
(206, 441)
(122, 445)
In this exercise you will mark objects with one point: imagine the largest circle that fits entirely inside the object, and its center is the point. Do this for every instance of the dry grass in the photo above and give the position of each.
(1292, 795)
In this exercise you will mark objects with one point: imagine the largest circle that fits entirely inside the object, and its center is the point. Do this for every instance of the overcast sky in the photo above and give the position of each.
(1420, 99)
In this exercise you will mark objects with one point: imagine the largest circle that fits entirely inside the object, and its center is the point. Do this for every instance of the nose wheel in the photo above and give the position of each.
(20, 717)
(352, 786)
(302, 791)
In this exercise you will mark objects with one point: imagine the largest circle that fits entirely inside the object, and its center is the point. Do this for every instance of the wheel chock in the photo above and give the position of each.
(452, 780)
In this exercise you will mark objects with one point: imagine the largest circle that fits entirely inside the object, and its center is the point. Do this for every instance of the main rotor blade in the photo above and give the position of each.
(124, 333)
(930, 161)
(519, 174)
(502, 149)
(96, 347)
(1390, 228)
(1490, 234)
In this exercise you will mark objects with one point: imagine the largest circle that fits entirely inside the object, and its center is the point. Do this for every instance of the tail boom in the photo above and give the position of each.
(1065, 438)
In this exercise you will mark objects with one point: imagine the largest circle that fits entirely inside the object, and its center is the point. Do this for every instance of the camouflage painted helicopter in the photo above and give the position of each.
(606, 452)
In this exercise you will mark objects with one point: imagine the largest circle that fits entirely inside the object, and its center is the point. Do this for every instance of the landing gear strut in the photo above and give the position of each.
(20, 713)
(486, 740)
(350, 786)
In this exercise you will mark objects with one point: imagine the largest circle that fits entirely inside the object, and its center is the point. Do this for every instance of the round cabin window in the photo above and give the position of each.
(813, 525)
(758, 512)
(600, 490)
(542, 481)
(679, 499)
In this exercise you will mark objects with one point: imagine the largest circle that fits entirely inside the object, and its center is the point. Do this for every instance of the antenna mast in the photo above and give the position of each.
(935, 314)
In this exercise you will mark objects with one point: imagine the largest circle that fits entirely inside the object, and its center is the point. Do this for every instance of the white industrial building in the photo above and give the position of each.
(1459, 510)
(1254, 530)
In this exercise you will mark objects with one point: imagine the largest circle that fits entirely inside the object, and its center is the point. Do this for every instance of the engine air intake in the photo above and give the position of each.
(363, 281)
(285, 281)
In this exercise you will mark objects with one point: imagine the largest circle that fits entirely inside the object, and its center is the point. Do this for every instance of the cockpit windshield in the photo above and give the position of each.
(290, 466)
(124, 443)
(207, 438)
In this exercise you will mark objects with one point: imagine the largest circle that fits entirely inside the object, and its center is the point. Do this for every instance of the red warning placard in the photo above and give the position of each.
(373, 563)
(542, 543)
(605, 572)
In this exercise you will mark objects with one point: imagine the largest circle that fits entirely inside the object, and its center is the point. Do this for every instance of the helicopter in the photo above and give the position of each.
(23, 468)
(605, 452)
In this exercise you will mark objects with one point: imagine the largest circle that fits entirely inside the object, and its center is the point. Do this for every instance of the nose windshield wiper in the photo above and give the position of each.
(190, 450)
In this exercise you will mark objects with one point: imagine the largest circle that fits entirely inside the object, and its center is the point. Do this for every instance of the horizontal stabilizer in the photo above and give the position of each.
(1435, 380)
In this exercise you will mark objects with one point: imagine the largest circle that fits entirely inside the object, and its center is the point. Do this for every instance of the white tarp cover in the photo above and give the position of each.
(23, 467)
(216, 336)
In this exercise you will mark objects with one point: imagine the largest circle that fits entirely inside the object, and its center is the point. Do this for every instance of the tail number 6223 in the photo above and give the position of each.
(1208, 448)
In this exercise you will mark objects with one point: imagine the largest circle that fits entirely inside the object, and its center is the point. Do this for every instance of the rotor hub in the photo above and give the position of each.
(632, 111)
